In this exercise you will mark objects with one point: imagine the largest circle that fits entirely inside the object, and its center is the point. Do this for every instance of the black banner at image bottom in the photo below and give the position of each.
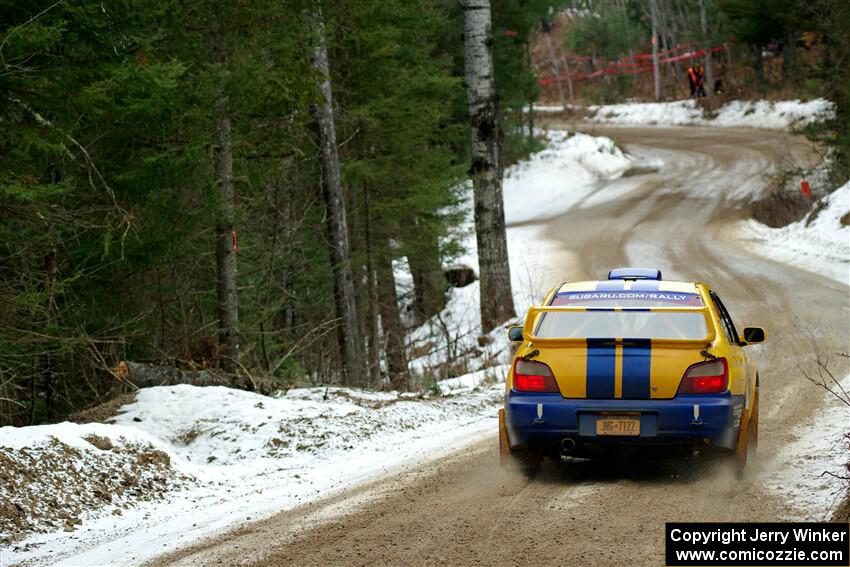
(741, 544)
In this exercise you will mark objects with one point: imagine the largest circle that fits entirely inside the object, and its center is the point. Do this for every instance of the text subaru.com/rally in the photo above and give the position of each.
(632, 360)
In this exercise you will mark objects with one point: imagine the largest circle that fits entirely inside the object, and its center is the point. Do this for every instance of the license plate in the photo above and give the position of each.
(618, 425)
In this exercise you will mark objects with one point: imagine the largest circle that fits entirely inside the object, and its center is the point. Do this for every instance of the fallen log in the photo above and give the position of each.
(143, 375)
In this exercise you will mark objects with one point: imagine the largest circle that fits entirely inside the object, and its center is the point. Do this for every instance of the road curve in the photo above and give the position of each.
(464, 510)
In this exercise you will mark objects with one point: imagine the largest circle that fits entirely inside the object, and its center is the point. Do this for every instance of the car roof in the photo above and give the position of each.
(628, 285)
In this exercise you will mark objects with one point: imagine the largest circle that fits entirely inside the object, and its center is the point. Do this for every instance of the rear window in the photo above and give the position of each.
(627, 299)
(622, 325)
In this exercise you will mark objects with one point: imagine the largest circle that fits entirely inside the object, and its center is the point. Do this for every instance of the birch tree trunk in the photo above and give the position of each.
(348, 331)
(373, 312)
(225, 252)
(532, 94)
(569, 77)
(668, 41)
(709, 69)
(654, 14)
(497, 303)
(556, 71)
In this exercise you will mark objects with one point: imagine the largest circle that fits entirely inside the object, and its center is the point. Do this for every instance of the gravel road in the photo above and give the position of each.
(464, 510)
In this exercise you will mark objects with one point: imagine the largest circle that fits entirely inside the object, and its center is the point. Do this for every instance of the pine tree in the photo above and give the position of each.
(88, 111)
(399, 163)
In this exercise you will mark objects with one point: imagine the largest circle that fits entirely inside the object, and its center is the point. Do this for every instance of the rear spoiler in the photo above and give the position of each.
(533, 316)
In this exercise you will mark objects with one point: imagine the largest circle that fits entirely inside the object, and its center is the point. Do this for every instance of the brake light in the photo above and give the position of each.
(710, 377)
(532, 376)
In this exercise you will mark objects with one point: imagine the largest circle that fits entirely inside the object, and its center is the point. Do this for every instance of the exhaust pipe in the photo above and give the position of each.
(568, 445)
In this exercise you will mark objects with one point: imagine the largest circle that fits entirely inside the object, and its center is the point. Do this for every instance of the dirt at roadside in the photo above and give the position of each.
(53, 485)
(49, 486)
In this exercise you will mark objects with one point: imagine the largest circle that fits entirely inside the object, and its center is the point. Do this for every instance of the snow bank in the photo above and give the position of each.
(58, 476)
(470, 382)
(215, 428)
(194, 460)
(742, 114)
(818, 243)
(551, 181)
(648, 113)
(818, 447)
(772, 115)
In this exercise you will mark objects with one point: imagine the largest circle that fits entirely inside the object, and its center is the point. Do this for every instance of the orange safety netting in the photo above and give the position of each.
(631, 65)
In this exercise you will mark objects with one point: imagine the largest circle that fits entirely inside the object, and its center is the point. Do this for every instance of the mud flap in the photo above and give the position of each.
(520, 459)
(504, 444)
(740, 458)
(747, 437)
(754, 427)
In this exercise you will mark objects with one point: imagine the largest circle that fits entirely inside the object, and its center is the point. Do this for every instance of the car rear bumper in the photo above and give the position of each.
(547, 419)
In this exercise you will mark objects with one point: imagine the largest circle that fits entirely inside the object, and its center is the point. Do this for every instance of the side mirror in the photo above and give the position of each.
(515, 333)
(753, 335)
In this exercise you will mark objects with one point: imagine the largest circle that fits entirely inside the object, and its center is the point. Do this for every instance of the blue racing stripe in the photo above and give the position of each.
(601, 366)
(637, 356)
(611, 285)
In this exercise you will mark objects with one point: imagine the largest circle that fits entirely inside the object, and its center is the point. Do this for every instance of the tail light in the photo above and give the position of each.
(532, 376)
(710, 377)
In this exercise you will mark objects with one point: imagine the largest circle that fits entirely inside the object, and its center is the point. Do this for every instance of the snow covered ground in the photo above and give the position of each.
(226, 456)
(820, 242)
(553, 180)
(817, 447)
(779, 115)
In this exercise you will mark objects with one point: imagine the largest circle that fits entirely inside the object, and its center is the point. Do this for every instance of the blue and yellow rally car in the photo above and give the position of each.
(631, 360)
